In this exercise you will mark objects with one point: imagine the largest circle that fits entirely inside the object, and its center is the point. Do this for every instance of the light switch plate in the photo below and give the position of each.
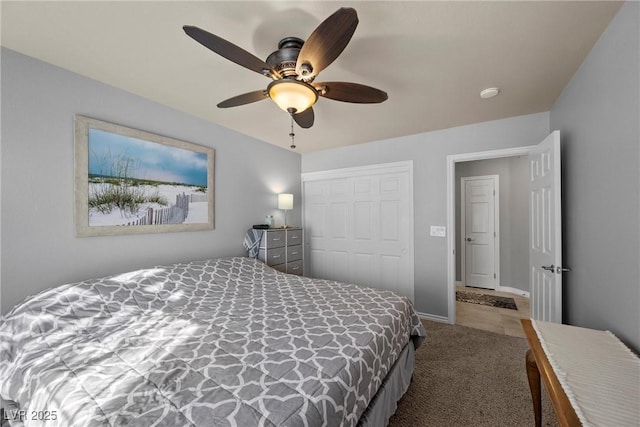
(438, 231)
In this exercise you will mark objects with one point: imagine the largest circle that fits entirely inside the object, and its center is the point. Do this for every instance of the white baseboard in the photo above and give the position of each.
(435, 318)
(513, 291)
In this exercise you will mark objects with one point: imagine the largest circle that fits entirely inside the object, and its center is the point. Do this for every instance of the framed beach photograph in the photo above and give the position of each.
(129, 181)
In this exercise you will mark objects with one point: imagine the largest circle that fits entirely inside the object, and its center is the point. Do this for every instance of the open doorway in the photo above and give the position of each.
(510, 274)
(492, 250)
(508, 177)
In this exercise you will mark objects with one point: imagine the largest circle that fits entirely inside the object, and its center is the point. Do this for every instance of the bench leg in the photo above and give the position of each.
(533, 374)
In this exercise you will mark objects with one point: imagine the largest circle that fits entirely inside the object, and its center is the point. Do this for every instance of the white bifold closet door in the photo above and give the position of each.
(359, 225)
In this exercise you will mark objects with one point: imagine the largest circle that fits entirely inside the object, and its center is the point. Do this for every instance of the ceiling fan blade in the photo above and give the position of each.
(230, 51)
(245, 98)
(305, 119)
(351, 92)
(326, 42)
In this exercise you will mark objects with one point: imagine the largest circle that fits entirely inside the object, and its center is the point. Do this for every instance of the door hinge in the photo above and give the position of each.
(494, 234)
(494, 275)
(494, 192)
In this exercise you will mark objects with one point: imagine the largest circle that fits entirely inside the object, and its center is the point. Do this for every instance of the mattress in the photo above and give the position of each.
(224, 342)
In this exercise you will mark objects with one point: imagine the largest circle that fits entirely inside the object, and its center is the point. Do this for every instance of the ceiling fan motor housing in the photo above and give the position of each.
(284, 59)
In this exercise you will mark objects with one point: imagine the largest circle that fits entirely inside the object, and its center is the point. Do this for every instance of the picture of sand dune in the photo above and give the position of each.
(136, 182)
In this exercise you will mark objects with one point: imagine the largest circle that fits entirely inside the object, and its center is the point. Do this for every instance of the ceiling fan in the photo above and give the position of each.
(294, 67)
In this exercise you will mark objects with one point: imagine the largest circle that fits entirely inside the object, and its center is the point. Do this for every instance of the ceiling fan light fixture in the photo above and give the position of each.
(292, 94)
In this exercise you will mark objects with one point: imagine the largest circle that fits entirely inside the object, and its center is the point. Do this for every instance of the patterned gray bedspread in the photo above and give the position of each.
(222, 342)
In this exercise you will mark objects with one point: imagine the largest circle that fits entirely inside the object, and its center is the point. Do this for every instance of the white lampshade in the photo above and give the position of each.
(288, 93)
(285, 201)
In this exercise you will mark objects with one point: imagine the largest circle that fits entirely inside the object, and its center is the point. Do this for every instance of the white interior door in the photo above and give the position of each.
(359, 226)
(479, 226)
(545, 251)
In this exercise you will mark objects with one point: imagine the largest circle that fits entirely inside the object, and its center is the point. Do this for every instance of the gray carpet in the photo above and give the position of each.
(468, 377)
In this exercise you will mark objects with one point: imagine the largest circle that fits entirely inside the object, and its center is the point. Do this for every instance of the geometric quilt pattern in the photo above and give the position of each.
(220, 342)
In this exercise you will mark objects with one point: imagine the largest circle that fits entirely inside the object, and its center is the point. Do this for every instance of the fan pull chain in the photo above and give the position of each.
(292, 135)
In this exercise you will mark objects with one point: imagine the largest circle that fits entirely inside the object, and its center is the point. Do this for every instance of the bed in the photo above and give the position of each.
(220, 342)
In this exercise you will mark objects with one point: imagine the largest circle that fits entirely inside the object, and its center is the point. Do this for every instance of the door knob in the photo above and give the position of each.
(552, 268)
(469, 239)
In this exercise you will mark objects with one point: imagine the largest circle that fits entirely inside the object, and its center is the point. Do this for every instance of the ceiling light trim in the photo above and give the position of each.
(490, 92)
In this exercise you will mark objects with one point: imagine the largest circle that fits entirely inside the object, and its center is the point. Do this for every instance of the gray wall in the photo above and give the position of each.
(39, 248)
(429, 152)
(598, 114)
(514, 216)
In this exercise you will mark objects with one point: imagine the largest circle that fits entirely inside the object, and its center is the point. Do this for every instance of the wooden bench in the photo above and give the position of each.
(590, 376)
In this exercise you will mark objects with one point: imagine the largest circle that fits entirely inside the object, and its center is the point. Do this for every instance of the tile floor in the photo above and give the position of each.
(494, 319)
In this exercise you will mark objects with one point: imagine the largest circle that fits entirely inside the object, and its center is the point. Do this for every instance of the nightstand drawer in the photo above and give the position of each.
(294, 253)
(274, 239)
(294, 237)
(295, 267)
(280, 248)
(273, 256)
(281, 267)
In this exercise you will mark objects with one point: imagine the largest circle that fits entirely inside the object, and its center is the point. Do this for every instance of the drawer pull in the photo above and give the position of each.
(276, 239)
(294, 253)
(275, 256)
(294, 237)
(295, 268)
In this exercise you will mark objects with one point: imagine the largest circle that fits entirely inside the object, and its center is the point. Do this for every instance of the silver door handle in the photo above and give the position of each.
(469, 239)
(552, 268)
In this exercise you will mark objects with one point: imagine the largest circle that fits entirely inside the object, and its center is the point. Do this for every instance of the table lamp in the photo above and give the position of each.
(285, 202)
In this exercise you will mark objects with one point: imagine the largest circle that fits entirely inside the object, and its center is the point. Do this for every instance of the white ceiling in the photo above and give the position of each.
(432, 58)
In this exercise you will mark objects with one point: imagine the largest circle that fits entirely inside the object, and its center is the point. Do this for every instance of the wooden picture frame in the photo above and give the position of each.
(129, 181)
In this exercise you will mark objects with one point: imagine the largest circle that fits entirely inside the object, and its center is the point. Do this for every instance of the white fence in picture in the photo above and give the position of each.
(175, 214)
